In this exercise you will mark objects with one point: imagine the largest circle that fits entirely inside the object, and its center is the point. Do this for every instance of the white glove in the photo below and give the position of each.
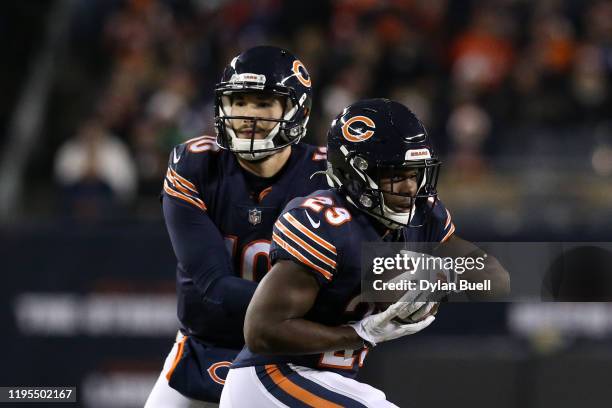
(381, 327)
(418, 309)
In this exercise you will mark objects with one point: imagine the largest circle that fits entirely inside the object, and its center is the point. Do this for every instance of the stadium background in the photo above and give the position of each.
(516, 93)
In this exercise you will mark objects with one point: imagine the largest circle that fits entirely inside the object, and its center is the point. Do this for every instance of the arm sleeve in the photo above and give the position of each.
(178, 187)
(202, 256)
(299, 235)
(442, 226)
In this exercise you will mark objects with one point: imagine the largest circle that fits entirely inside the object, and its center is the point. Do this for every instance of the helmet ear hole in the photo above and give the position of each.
(366, 200)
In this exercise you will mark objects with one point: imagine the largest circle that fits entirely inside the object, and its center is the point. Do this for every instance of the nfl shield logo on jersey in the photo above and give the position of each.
(254, 216)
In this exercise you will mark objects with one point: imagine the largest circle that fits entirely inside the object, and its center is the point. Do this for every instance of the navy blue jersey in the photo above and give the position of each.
(325, 233)
(220, 221)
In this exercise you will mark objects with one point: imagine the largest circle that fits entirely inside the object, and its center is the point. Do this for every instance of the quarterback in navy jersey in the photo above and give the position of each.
(221, 197)
(307, 332)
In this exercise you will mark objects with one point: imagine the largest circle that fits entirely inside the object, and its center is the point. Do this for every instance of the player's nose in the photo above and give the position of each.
(247, 120)
(250, 110)
(407, 186)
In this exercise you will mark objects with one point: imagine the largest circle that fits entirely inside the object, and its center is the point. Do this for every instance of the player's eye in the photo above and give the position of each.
(264, 104)
(239, 102)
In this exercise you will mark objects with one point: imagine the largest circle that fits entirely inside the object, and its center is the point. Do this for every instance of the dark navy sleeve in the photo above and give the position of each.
(441, 223)
(202, 256)
(301, 236)
(183, 177)
(198, 245)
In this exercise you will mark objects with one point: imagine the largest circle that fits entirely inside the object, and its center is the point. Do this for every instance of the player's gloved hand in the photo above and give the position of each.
(381, 326)
(418, 311)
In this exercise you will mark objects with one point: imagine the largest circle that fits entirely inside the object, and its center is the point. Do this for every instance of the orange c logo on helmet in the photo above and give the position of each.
(304, 79)
(357, 135)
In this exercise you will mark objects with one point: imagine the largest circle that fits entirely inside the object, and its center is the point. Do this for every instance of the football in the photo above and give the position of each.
(423, 310)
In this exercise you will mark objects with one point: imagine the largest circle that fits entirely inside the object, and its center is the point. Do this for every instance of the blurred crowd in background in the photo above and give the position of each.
(516, 93)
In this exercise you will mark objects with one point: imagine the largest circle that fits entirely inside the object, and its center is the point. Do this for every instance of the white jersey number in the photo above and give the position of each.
(251, 254)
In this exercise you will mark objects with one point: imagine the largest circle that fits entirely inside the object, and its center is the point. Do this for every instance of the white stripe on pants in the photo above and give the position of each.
(164, 396)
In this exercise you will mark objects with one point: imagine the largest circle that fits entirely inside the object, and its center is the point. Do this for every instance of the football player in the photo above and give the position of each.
(221, 197)
(306, 331)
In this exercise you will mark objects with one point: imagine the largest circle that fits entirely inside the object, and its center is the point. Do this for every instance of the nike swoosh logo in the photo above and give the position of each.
(176, 158)
(315, 225)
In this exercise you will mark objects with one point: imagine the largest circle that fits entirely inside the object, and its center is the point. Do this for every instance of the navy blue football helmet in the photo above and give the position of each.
(379, 138)
(269, 70)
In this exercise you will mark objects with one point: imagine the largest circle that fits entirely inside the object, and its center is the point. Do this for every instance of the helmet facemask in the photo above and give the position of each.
(287, 129)
(422, 200)
(365, 190)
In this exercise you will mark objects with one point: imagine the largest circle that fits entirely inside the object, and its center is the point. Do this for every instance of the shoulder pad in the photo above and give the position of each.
(307, 232)
(442, 222)
(186, 167)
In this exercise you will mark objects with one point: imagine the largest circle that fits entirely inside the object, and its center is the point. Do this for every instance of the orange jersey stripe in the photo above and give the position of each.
(183, 181)
(448, 219)
(197, 202)
(299, 256)
(179, 186)
(264, 193)
(177, 358)
(296, 391)
(309, 233)
(304, 245)
(175, 176)
(449, 233)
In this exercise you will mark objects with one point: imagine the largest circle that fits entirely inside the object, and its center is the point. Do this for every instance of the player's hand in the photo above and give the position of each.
(382, 326)
(418, 312)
